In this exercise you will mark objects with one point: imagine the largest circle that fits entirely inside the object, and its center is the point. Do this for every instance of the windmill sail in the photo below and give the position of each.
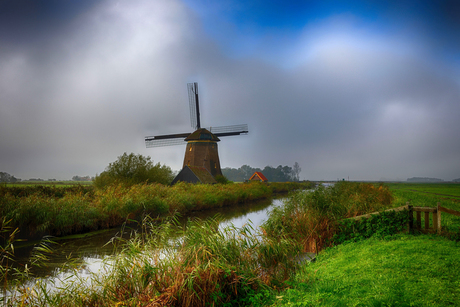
(194, 105)
(165, 140)
(229, 130)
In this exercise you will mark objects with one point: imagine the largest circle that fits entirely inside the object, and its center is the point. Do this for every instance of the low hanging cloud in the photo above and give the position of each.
(342, 101)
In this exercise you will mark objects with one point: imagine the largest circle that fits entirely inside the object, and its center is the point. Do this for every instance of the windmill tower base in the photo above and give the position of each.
(203, 154)
(201, 158)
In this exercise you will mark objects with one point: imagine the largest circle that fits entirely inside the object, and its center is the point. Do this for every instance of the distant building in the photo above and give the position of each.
(258, 176)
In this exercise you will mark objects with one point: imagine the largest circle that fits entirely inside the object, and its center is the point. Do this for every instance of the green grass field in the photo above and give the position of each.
(428, 195)
(448, 191)
(65, 183)
(402, 271)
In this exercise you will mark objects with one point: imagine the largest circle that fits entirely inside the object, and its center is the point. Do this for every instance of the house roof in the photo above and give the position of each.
(260, 175)
(194, 174)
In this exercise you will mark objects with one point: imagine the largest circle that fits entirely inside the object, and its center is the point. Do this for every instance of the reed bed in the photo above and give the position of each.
(167, 265)
(311, 218)
(68, 210)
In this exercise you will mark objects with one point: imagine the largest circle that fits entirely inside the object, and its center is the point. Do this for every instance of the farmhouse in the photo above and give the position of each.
(258, 176)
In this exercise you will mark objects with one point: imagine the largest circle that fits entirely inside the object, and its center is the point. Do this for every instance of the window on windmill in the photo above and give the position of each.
(190, 148)
(205, 136)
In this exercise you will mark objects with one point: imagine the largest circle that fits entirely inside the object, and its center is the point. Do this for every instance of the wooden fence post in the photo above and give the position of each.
(439, 218)
(419, 220)
(411, 217)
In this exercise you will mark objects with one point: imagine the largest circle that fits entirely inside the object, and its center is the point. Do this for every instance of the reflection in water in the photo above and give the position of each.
(88, 250)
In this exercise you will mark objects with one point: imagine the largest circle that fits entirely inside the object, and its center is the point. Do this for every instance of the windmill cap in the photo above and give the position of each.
(202, 135)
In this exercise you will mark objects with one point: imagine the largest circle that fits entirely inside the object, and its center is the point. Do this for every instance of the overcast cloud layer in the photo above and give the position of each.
(351, 91)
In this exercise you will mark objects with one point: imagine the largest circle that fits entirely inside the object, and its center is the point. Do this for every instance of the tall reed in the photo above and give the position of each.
(310, 217)
(167, 265)
(49, 210)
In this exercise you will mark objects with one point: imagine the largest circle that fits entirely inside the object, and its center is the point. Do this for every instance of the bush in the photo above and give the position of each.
(222, 179)
(381, 225)
(134, 169)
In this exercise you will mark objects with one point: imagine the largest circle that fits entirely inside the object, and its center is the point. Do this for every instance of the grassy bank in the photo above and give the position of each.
(402, 271)
(67, 210)
(387, 269)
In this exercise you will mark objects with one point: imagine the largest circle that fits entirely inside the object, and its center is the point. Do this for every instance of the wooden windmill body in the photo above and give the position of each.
(201, 160)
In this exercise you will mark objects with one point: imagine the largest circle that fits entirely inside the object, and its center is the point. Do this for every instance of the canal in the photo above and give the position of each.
(88, 250)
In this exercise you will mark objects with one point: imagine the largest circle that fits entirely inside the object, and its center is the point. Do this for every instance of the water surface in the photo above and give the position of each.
(88, 249)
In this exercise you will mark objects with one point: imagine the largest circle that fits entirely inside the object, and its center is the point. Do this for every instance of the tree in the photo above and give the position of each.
(81, 178)
(247, 171)
(133, 169)
(296, 171)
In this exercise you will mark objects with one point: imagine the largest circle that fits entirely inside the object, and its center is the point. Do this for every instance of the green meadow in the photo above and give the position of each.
(428, 195)
(403, 270)
(65, 183)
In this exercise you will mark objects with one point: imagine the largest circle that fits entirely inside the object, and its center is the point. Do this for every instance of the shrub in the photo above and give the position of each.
(133, 169)
(378, 225)
(222, 179)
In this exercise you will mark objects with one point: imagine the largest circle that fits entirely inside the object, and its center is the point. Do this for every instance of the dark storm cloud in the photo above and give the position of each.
(89, 92)
(83, 82)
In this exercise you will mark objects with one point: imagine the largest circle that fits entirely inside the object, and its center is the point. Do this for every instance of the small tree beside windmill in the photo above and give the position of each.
(201, 160)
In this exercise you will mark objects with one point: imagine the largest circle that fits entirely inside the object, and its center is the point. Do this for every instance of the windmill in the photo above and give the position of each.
(201, 160)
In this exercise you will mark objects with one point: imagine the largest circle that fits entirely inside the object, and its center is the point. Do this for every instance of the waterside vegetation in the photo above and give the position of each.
(312, 218)
(209, 266)
(377, 263)
(60, 211)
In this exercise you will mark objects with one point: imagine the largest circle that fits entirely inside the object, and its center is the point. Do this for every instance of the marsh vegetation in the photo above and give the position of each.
(57, 211)
(207, 265)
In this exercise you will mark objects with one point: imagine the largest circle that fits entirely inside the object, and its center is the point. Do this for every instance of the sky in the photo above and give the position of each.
(361, 90)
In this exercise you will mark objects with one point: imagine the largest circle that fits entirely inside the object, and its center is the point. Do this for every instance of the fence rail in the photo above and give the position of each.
(436, 216)
(366, 216)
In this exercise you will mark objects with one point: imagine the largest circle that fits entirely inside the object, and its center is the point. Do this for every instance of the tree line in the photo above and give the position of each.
(5, 177)
(132, 169)
(278, 174)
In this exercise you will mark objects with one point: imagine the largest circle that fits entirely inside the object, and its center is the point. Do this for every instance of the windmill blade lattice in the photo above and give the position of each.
(229, 130)
(194, 105)
(163, 142)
